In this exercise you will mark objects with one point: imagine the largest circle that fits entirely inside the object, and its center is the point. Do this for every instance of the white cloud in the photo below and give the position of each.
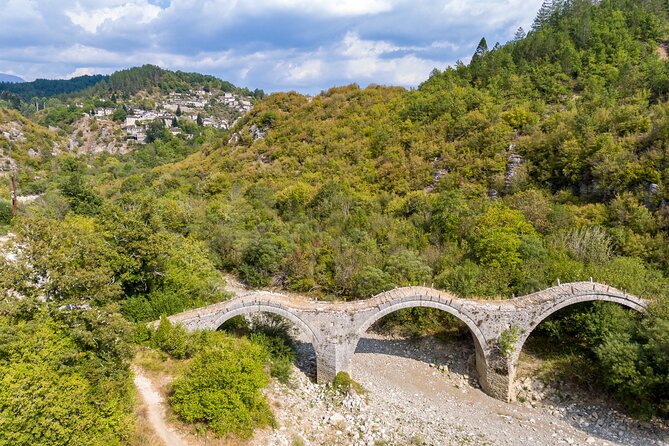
(445, 44)
(308, 45)
(334, 7)
(353, 46)
(308, 70)
(139, 12)
(82, 71)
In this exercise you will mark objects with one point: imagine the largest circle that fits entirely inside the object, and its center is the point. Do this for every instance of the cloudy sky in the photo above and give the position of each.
(304, 45)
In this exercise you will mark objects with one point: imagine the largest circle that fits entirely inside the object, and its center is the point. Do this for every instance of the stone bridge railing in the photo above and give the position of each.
(335, 328)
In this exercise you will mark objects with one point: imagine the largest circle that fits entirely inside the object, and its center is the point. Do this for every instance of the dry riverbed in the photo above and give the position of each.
(424, 393)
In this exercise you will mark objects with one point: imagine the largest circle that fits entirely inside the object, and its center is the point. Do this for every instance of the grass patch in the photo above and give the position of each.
(343, 383)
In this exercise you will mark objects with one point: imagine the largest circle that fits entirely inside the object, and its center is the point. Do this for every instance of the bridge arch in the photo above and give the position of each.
(631, 302)
(426, 301)
(268, 308)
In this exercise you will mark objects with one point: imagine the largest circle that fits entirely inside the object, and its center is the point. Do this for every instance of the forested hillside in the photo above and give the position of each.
(495, 178)
(543, 159)
(51, 87)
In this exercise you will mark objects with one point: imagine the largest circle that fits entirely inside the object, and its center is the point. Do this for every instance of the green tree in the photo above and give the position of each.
(498, 236)
(262, 259)
(156, 130)
(172, 339)
(70, 262)
(119, 114)
(544, 15)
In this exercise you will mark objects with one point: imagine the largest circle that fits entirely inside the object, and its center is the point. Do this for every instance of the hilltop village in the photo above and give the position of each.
(206, 108)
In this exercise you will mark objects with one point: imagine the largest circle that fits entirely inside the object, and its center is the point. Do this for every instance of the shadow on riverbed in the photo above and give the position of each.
(454, 355)
(305, 358)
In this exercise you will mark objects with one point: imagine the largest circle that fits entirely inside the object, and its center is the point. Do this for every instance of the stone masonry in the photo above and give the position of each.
(499, 328)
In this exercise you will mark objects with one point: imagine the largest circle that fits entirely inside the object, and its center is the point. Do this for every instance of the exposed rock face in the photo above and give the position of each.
(512, 165)
(13, 131)
(258, 132)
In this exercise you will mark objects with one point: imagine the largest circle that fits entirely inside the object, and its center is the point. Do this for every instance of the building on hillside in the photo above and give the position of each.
(101, 112)
(137, 133)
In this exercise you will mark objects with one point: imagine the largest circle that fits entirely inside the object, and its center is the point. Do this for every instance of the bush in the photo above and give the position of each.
(416, 322)
(280, 354)
(634, 365)
(172, 339)
(344, 384)
(587, 244)
(371, 281)
(262, 259)
(222, 387)
(5, 212)
(272, 333)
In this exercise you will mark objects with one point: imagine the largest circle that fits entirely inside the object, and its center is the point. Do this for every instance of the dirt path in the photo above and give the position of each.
(155, 409)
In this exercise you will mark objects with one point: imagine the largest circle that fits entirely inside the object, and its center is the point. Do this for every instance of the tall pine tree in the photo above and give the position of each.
(544, 15)
(481, 50)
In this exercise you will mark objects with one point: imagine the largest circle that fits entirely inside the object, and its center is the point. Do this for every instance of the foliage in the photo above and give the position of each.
(544, 159)
(172, 339)
(156, 130)
(62, 385)
(271, 332)
(262, 259)
(586, 244)
(65, 262)
(415, 322)
(628, 353)
(222, 388)
(147, 77)
(74, 188)
(634, 362)
(51, 87)
(5, 212)
(281, 354)
(508, 341)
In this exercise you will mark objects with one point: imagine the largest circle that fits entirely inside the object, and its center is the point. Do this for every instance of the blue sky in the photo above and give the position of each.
(303, 45)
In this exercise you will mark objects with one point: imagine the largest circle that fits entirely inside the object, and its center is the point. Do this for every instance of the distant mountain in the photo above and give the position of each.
(10, 78)
(51, 87)
(124, 82)
(147, 77)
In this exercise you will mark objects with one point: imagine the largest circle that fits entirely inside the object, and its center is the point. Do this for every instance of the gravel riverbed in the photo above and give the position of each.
(424, 392)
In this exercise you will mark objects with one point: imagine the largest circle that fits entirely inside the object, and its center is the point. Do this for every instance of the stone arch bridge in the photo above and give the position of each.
(499, 328)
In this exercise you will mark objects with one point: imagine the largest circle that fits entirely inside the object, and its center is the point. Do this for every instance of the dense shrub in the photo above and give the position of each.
(62, 385)
(635, 361)
(626, 353)
(5, 212)
(172, 339)
(222, 387)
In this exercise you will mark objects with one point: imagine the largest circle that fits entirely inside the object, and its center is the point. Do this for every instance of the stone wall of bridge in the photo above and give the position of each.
(335, 328)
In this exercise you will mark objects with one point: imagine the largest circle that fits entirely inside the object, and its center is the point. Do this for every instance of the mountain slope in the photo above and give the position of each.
(384, 181)
(10, 78)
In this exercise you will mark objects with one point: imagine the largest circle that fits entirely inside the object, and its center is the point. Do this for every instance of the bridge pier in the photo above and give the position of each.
(333, 356)
(496, 376)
